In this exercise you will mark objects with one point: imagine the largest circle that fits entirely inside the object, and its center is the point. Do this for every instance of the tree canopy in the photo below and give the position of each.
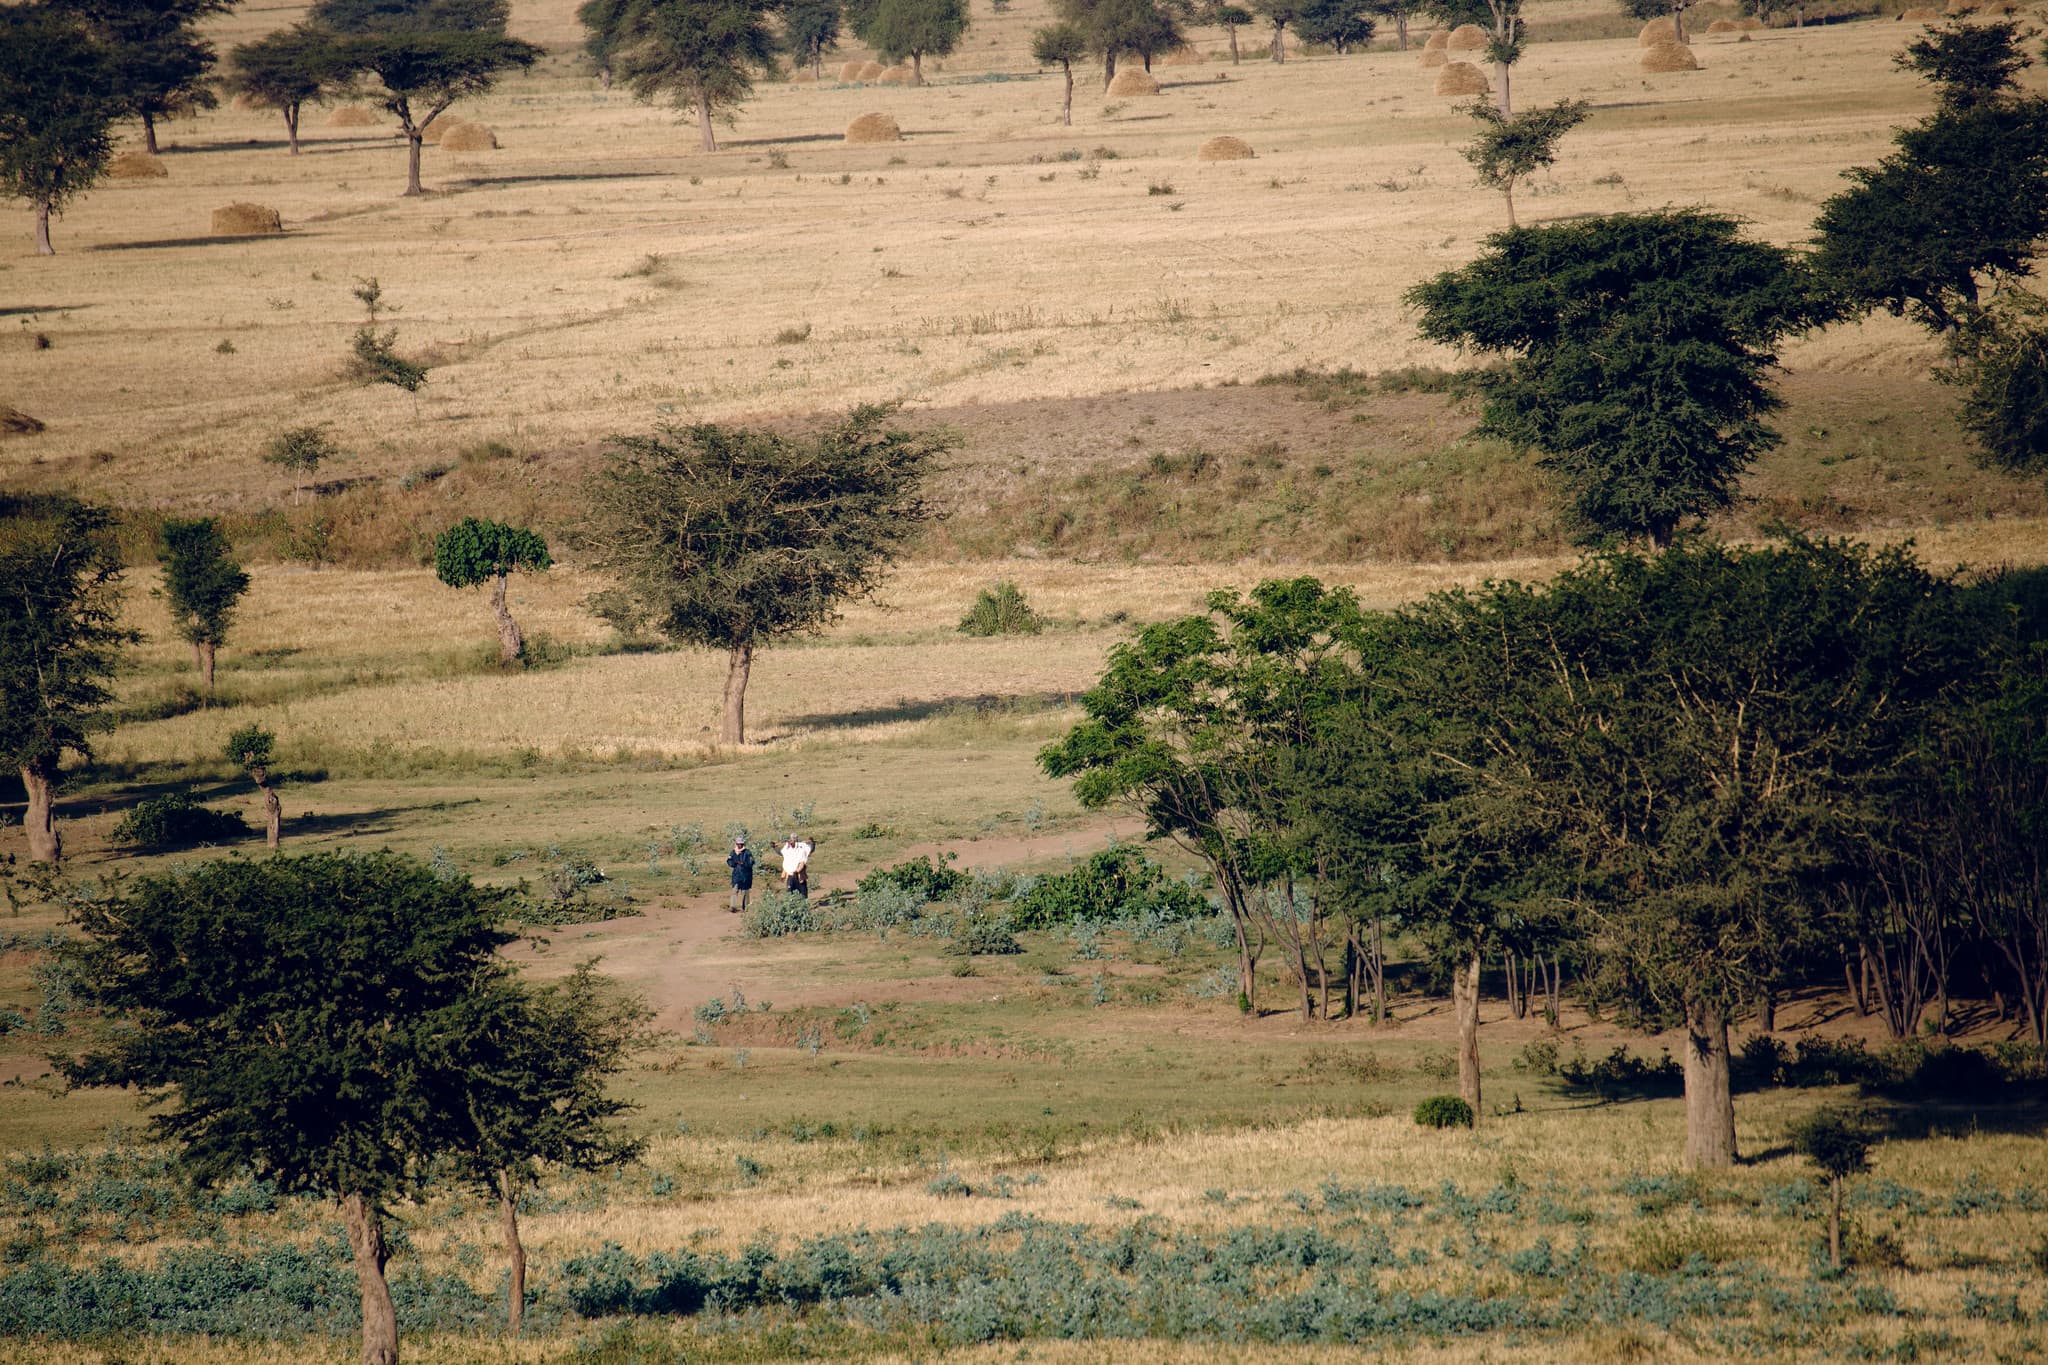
(1061, 45)
(733, 537)
(1507, 149)
(161, 63)
(1635, 350)
(810, 29)
(476, 551)
(58, 103)
(699, 53)
(202, 585)
(911, 28)
(287, 70)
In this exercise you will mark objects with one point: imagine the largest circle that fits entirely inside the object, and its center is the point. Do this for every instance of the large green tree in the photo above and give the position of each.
(1339, 25)
(202, 586)
(602, 22)
(1635, 356)
(162, 63)
(476, 551)
(60, 640)
(911, 28)
(701, 54)
(287, 70)
(733, 537)
(427, 55)
(305, 1019)
(58, 103)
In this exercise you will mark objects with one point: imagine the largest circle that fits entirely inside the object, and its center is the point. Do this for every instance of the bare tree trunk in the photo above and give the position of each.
(704, 120)
(291, 125)
(508, 1210)
(1709, 1100)
(1279, 43)
(1766, 1009)
(1234, 57)
(817, 61)
(1556, 987)
(149, 132)
(1508, 193)
(1108, 69)
(1067, 107)
(366, 1239)
(43, 247)
(917, 68)
(1465, 1004)
(1401, 30)
(1379, 975)
(732, 724)
(45, 845)
(604, 76)
(1506, 101)
(510, 643)
(202, 654)
(1678, 32)
(273, 807)
(414, 139)
(1354, 972)
(1857, 973)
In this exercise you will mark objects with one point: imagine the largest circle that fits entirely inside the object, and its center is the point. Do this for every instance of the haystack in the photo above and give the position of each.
(469, 137)
(1920, 14)
(873, 128)
(849, 72)
(352, 116)
(872, 71)
(1438, 41)
(1133, 81)
(1467, 38)
(1225, 148)
(438, 129)
(1750, 23)
(1461, 78)
(1668, 57)
(15, 422)
(896, 75)
(1657, 31)
(245, 220)
(1724, 26)
(1432, 59)
(136, 166)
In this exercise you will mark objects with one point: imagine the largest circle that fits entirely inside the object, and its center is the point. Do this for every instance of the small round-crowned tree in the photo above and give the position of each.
(249, 748)
(1840, 1146)
(474, 552)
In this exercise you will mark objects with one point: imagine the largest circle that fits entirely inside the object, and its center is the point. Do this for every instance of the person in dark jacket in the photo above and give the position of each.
(741, 861)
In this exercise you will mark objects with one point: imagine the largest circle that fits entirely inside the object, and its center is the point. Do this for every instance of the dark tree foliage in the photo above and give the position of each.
(2004, 379)
(60, 641)
(250, 748)
(287, 70)
(202, 585)
(1400, 12)
(1839, 1145)
(1340, 25)
(603, 25)
(731, 537)
(1636, 351)
(810, 29)
(476, 551)
(294, 1018)
(911, 28)
(1114, 27)
(701, 54)
(161, 63)
(1507, 149)
(1968, 62)
(427, 54)
(58, 104)
(1061, 45)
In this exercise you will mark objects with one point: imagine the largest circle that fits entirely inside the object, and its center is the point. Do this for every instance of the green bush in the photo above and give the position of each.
(1001, 610)
(175, 820)
(1443, 1111)
(1117, 883)
(980, 935)
(933, 879)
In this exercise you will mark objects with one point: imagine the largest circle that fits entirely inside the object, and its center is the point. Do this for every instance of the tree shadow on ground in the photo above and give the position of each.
(733, 144)
(982, 704)
(478, 182)
(224, 239)
(22, 309)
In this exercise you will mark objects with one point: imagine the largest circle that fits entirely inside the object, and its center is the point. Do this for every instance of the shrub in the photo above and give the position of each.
(932, 879)
(175, 820)
(777, 913)
(1441, 1065)
(372, 360)
(1443, 1111)
(1117, 883)
(1001, 610)
(983, 935)
(1622, 1074)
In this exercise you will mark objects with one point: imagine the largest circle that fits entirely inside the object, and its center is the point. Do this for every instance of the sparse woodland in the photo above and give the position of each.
(1381, 774)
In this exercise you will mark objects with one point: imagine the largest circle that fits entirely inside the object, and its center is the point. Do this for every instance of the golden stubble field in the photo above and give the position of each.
(599, 274)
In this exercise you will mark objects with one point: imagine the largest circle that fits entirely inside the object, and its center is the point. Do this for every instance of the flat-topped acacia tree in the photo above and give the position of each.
(286, 70)
(733, 537)
(911, 28)
(474, 552)
(701, 54)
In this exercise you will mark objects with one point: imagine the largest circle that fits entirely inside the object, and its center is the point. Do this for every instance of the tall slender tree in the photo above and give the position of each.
(1061, 45)
(810, 29)
(1502, 19)
(202, 586)
(57, 110)
(475, 552)
(1508, 149)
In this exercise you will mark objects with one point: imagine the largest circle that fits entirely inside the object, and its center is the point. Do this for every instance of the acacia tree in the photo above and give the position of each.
(1113, 27)
(1636, 353)
(427, 54)
(811, 29)
(911, 28)
(57, 109)
(700, 53)
(1502, 19)
(474, 552)
(326, 1071)
(732, 538)
(1339, 25)
(161, 61)
(287, 70)
(202, 585)
(1840, 1147)
(1061, 45)
(249, 748)
(529, 1069)
(1506, 149)
(60, 640)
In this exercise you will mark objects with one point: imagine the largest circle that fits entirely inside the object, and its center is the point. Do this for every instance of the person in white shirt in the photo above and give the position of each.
(796, 866)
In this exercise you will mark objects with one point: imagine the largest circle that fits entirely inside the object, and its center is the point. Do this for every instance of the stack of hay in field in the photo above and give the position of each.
(438, 129)
(245, 220)
(1467, 38)
(247, 103)
(802, 76)
(1462, 78)
(352, 116)
(849, 72)
(1724, 26)
(1133, 81)
(1667, 57)
(136, 166)
(469, 137)
(1225, 148)
(872, 71)
(873, 128)
(1661, 30)
(1435, 52)
(896, 75)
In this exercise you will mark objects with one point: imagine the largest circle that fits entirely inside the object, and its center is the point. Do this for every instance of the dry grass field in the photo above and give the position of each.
(1089, 312)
